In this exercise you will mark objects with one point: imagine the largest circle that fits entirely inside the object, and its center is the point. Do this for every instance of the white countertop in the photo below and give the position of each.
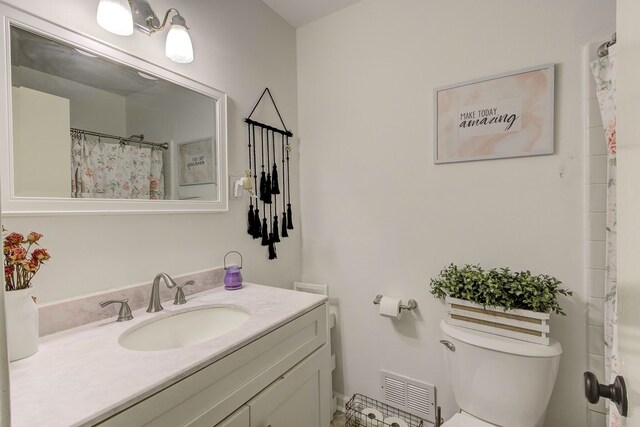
(82, 375)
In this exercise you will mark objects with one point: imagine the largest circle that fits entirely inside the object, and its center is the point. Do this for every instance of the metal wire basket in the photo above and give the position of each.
(357, 417)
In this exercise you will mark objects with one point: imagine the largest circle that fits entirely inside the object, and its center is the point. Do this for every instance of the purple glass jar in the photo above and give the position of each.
(232, 276)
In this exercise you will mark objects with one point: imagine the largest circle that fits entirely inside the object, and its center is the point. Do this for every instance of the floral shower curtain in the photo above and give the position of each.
(604, 72)
(114, 171)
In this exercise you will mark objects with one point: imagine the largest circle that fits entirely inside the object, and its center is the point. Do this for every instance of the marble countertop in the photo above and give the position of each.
(82, 375)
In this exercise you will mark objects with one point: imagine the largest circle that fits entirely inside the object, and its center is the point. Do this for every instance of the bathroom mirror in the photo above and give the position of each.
(93, 129)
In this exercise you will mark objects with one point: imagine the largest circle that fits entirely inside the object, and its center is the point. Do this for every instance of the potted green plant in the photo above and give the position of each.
(500, 301)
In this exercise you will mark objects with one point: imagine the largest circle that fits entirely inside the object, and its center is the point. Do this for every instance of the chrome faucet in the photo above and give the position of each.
(180, 298)
(125, 311)
(154, 302)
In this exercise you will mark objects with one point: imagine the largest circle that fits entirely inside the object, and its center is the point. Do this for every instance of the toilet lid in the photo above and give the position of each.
(465, 420)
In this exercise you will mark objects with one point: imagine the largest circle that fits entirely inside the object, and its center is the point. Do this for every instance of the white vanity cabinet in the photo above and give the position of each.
(281, 379)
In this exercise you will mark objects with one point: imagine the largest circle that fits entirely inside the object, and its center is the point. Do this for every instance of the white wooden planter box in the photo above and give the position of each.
(523, 325)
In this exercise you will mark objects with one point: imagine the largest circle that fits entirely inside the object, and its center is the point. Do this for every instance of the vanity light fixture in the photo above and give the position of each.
(121, 16)
(115, 16)
(179, 47)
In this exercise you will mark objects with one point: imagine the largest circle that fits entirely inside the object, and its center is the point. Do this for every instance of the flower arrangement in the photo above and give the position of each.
(20, 262)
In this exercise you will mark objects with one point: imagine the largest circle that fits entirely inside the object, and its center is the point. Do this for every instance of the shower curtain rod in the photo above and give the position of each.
(603, 50)
(134, 139)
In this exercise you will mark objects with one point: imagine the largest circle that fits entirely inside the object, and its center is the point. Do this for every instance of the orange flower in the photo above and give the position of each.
(33, 237)
(17, 254)
(40, 254)
(31, 265)
(14, 239)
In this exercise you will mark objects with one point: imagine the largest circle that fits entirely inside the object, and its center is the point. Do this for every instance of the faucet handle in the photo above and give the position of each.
(180, 299)
(125, 311)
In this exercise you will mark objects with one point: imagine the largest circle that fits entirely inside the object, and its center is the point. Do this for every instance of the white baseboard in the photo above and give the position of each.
(341, 401)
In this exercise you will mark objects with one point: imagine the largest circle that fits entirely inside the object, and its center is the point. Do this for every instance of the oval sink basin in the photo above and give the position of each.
(183, 329)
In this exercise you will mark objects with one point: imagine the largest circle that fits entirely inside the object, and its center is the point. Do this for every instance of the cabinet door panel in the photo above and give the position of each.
(300, 409)
(298, 398)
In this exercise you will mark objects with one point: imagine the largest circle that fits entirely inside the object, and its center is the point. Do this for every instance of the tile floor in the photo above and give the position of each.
(338, 420)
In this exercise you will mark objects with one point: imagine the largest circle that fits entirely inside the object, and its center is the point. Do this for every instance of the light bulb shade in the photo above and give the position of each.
(115, 16)
(179, 47)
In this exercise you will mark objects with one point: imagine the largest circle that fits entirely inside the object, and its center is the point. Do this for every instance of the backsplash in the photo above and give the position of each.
(60, 315)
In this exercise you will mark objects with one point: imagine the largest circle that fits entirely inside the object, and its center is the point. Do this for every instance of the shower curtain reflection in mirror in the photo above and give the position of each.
(115, 171)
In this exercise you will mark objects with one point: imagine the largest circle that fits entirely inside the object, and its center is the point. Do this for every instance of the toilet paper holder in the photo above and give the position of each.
(411, 304)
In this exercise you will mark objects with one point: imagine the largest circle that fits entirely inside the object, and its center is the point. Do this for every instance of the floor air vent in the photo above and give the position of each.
(409, 395)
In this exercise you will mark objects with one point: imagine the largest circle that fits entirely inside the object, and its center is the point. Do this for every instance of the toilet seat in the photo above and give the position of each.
(465, 420)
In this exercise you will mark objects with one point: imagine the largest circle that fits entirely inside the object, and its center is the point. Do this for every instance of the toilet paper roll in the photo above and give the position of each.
(371, 417)
(390, 307)
(395, 422)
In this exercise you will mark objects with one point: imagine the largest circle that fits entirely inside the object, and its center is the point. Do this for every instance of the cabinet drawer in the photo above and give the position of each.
(206, 397)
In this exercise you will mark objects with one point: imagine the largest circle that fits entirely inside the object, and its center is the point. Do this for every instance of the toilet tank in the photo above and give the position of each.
(500, 380)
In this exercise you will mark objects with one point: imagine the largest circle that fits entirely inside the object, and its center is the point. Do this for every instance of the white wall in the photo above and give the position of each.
(241, 46)
(380, 217)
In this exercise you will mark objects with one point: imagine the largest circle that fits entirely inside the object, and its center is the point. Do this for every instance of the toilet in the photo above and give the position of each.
(498, 381)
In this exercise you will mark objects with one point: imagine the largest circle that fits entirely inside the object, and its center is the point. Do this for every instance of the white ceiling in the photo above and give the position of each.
(301, 12)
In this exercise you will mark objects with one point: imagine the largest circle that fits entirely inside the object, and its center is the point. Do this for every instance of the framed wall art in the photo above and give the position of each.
(196, 164)
(505, 115)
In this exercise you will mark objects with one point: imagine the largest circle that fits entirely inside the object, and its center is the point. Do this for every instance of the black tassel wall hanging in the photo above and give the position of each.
(275, 186)
(272, 251)
(267, 185)
(285, 233)
(275, 237)
(289, 214)
(263, 195)
(263, 175)
(265, 230)
(257, 225)
(250, 220)
(276, 232)
(267, 226)
(272, 236)
(250, 215)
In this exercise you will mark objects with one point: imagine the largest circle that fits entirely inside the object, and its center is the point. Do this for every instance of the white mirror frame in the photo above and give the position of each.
(23, 206)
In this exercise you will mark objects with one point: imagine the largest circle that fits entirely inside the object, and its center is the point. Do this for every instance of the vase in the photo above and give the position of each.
(21, 314)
